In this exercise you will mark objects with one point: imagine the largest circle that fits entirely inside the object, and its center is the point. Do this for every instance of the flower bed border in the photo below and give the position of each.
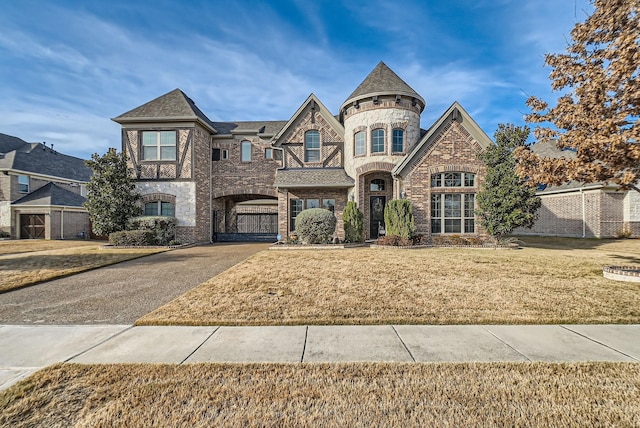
(622, 273)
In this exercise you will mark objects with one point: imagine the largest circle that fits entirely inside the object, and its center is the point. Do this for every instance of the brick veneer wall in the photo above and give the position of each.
(453, 149)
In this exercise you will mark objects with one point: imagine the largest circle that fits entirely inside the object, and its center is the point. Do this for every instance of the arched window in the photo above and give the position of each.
(377, 185)
(398, 140)
(312, 146)
(159, 208)
(360, 147)
(377, 141)
(245, 151)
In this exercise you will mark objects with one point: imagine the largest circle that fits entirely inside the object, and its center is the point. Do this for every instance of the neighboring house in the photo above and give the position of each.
(594, 210)
(235, 180)
(41, 191)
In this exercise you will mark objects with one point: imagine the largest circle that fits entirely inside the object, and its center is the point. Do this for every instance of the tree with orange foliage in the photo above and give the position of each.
(599, 115)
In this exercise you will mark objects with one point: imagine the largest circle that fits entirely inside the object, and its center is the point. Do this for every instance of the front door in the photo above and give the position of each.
(32, 226)
(376, 215)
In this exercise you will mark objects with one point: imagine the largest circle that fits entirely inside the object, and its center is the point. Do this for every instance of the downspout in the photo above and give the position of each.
(61, 222)
(584, 215)
(286, 204)
(210, 191)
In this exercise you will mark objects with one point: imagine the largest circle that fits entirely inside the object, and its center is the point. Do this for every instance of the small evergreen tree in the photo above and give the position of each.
(398, 218)
(353, 222)
(505, 201)
(112, 198)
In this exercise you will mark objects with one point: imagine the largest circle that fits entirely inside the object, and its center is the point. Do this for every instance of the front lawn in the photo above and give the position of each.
(28, 265)
(549, 281)
(328, 395)
(15, 246)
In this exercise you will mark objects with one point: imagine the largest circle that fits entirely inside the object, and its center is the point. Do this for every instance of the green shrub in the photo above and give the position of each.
(136, 238)
(353, 223)
(162, 227)
(398, 218)
(394, 241)
(4, 234)
(315, 226)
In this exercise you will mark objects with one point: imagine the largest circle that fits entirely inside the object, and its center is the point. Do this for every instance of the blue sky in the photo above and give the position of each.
(67, 67)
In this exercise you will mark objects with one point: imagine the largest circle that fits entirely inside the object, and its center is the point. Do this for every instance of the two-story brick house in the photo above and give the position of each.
(41, 191)
(219, 178)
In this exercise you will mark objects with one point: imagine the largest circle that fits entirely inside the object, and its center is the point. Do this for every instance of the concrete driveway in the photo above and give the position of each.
(121, 293)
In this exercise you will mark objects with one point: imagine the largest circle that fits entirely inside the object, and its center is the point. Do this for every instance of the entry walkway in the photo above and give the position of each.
(26, 348)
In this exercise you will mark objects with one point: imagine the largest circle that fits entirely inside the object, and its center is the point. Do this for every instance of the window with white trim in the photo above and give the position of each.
(377, 141)
(360, 144)
(312, 146)
(398, 141)
(295, 208)
(452, 213)
(159, 208)
(23, 183)
(159, 145)
(453, 179)
(268, 153)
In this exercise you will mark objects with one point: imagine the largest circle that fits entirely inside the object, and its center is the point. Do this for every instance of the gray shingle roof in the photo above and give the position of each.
(175, 104)
(382, 80)
(39, 159)
(312, 177)
(10, 143)
(52, 194)
(270, 126)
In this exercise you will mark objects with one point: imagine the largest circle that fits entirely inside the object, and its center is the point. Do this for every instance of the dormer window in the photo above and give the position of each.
(312, 146)
(159, 145)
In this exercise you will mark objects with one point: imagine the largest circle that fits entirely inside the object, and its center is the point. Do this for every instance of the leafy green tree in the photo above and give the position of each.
(353, 223)
(598, 114)
(398, 218)
(505, 200)
(112, 198)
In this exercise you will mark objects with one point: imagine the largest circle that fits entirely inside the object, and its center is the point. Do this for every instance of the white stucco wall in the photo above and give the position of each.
(185, 193)
(5, 214)
(367, 118)
(632, 206)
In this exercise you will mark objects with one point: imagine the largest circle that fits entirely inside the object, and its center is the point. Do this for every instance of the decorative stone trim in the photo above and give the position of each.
(375, 166)
(622, 273)
(154, 197)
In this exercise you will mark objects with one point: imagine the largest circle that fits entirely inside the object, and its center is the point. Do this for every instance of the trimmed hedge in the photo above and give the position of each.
(135, 238)
(163, 228)
(316, 226)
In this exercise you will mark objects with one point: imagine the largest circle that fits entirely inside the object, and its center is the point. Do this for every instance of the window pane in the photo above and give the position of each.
(296, 208)
(469, 180)
(453, 205)
(452, 179)
(436, 180)
(398, 140)
(436, 225)
(151, 208)
(469, 200)
(377, 185)
(268, 154)
(150, 153)
(168, 138)
(452, 225)
(377, 141)
(149, 138)
(167, 209)
(312, 146)
(436, 206)
(245, 155)
(168, 153)
(225, 154)
(469, 226)
(360, 143)
(23, 183)
(313, 203)
(329, 204)
(312, 155)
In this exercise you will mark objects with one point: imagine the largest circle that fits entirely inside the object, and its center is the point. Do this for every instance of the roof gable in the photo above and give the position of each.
(52, 195)
(174, 105)
(382, 80)
(454, 113)
(9, 143)
(314, 103)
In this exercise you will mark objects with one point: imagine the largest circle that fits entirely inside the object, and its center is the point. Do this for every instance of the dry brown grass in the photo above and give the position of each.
(346, 394)
(31, 245)
(538, 284)
(27, 268)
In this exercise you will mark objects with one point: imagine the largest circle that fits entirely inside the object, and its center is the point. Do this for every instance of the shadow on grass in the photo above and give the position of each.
(562, 243)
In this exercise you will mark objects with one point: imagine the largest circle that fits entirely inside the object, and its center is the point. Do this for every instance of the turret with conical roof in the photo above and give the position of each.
(381, 121)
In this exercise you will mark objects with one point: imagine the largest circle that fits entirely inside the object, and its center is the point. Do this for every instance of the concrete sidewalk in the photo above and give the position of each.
(25, 349)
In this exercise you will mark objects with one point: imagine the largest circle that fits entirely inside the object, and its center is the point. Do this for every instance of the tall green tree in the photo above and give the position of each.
(112, 198)
(398, 218)
(353, 223)
(505, 200)
(598, 113)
